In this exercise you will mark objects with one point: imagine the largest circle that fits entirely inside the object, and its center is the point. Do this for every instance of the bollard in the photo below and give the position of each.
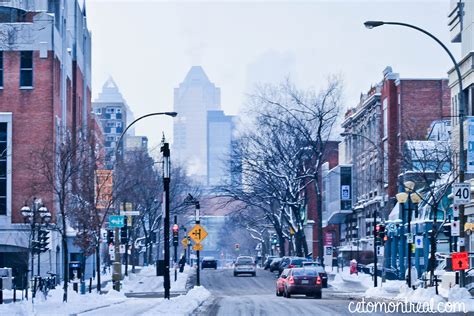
(75, 286)
(90, 285)
(34, 289)
(14, 293)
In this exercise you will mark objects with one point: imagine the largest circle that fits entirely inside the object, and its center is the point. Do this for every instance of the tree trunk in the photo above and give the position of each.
(65, 263)
(434, 210)
(282, 246)
(97, 266)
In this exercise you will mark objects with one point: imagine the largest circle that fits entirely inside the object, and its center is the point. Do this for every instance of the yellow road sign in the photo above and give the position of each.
(198, 247)
(198, 233)
(185, 242)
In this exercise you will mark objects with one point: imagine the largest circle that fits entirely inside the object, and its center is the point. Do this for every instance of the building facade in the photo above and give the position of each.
(45, 71)
(113, 113)
(392, 112)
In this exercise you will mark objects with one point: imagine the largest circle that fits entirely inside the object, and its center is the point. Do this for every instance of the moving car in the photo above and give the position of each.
(320, 269)
(209, 262)
(280, 283)
(303, 281)
(266, 264)
(275, 265)
(245, 265)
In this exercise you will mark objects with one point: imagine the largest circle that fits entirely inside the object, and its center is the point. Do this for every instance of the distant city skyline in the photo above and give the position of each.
(243, 43)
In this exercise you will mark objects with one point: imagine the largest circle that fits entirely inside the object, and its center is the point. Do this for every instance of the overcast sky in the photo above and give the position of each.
(148, 47)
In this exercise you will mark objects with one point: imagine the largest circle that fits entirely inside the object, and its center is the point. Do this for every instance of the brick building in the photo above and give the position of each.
(392, 112)
(45, 93)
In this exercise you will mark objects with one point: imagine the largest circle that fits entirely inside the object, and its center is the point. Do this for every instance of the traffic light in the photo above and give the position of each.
(110, 237)
(175, 229)
(35, 246)
(43, 240)
(380, 234)
(124, 235)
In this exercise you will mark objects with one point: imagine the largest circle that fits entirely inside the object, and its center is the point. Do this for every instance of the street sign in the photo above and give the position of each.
(185, 242)
(198, 247)
(198, 233)
(380, 251)
(130, 213)
(461, 242)
(112, 256)
(419, 242)
(455, 211)
(116, 221)
(460, 260)
(461, 193)
(410, 238)
(111, 249)
(455, 228)
(122, 248)
(392, 227)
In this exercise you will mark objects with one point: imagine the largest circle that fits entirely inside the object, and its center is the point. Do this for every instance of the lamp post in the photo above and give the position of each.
(379, 181)
(461, 113)
(36, 216)
(412, 198)
(166, 169)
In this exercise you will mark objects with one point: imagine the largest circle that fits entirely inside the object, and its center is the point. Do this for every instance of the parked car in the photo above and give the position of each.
(266, 264)
(245, 265)
(209, 262)
(275, 265)
(390, 273)
(292, 262)
(303, 281)
(280, 283)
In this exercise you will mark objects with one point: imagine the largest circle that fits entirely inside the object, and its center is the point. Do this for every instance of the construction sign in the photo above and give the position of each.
(460, 261)
(198, 233)
(185, 242)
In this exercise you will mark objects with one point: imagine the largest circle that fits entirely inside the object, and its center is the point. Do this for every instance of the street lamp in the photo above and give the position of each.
(412, 198)
(166, 181)
(461, 113)
(37, 216)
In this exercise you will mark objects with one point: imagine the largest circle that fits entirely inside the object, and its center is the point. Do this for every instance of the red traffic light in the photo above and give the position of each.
(175, 228)
(377, 228)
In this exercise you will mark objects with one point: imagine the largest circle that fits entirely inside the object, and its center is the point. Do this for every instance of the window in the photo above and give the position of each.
(26, 69)
(119, 124)
(119, 110)
(98, 111)
(110, 124)
(3, 168)
(1, 69)
(110, 110)
(385, 118)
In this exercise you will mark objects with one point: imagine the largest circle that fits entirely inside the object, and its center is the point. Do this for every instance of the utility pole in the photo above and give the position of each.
(117, 274)
(196, 217)
(375, 248)
(175, 246)
(165, 149)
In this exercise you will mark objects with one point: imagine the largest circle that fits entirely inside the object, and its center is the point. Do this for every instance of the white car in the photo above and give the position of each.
(245, 265)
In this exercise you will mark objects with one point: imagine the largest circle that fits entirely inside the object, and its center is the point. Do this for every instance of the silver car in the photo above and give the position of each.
(245, 265)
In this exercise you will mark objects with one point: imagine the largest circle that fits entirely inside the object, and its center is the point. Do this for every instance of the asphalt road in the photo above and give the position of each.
(246, 295)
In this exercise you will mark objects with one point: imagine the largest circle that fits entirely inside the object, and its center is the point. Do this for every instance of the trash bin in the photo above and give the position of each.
(160, 268)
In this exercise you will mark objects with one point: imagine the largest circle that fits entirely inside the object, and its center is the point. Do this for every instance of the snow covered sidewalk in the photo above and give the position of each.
(118, 303)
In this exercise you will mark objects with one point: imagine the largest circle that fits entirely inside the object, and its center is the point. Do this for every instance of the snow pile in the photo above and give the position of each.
(461, 295)
(181, 305)
(419, 295)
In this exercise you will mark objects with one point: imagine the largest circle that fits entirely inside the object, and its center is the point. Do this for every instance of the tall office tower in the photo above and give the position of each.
(114, 114)
(194, 97)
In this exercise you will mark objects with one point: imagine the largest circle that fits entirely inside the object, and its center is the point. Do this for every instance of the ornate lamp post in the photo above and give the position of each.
(412, 198)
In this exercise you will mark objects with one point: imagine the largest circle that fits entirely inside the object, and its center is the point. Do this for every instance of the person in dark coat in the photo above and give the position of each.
(182, 262)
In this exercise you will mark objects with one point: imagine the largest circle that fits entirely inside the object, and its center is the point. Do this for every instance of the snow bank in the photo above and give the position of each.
(181, 305)
(461, 295)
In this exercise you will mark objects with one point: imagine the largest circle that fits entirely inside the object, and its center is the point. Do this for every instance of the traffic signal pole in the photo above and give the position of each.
(198, 273)
(375, 248)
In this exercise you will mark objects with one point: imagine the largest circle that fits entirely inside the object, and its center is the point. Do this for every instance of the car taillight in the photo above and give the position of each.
(291, 280)
(291, 266)
(318, 280)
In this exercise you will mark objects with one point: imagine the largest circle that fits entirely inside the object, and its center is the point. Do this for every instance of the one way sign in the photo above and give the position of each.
(459, 261)
(419, 242)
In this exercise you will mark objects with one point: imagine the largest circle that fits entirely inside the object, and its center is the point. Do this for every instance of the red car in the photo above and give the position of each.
(303, 281)
(280, 284)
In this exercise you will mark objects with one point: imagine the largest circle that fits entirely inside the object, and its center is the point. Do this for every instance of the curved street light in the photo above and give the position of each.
(461, 113)
(116, 276)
